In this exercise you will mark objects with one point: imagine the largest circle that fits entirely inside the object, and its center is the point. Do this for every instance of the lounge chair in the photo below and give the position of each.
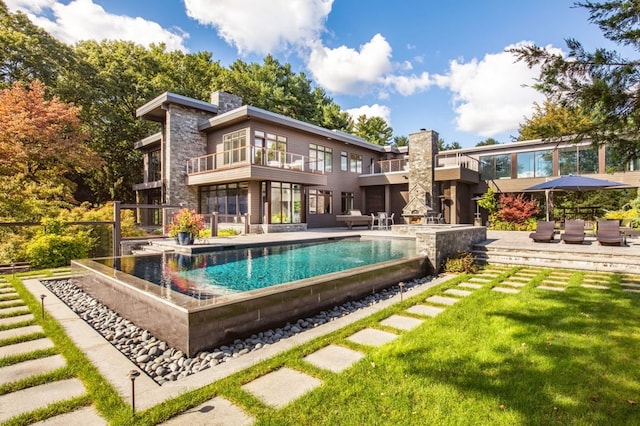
(609, 233)
(544, 232)
(573, 232)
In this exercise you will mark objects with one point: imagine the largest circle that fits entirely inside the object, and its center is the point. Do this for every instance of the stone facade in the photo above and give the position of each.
(423, 194)
(182, 141)
(225, 101)
(440, 243)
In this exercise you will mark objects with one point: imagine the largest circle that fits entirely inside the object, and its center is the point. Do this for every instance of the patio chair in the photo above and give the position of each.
(609, 233)
(573, 232)
(544, 232)
(390, 220)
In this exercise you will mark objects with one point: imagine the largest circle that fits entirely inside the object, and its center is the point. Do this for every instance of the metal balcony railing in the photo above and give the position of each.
(390, 166)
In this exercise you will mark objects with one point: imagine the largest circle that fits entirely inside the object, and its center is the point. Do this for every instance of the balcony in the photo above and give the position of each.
(254, 163)
(386, 172)
(457, 167)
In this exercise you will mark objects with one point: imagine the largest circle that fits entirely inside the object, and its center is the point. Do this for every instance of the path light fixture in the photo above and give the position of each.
(401, 285)
(42, 296)
(132, 375)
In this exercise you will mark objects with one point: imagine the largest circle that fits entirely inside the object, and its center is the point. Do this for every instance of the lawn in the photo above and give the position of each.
(535, 357)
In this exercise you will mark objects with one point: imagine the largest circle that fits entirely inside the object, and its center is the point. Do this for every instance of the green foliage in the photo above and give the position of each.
(488, 141)
(401, 141)
(553, 120)
(374, 129)
(502, 225)
(462, 262)
(228, 232)
(489, 202)
(53, 250)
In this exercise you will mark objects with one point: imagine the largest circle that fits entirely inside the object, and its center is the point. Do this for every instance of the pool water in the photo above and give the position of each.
(239, 270)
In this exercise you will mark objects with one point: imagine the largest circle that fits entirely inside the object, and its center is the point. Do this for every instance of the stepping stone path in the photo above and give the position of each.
(442, 300)
(401, 322)
(509, 290)
(215, 412)
(17, 321)
(425, 310)
(282, 386)
(457, 292)
(550, 288)
(630, 284)
(598, 282)
(334, 358)
(372, 337)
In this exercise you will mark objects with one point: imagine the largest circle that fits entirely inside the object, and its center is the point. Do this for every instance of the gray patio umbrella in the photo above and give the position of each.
(572, 183)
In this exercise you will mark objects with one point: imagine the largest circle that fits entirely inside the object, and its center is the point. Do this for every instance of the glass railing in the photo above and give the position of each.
(390, 166)
(252, 155)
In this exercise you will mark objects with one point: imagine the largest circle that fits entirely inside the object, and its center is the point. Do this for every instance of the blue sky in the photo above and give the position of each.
(431, 64)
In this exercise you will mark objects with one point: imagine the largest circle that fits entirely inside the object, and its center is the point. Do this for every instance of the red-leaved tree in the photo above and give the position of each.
(517, 208)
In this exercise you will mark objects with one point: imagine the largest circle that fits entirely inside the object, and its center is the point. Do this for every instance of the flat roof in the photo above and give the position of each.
(247, 112)
(563, 140)
(153, 110)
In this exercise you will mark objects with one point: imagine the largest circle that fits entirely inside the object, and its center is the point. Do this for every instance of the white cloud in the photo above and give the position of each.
(374, 110)
(259, 26)
(493, 95)
(85, 20)
(408, 85)
(346, 70)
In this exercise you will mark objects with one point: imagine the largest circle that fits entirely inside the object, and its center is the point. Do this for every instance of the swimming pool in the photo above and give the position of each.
(193, 315)
(217, 273)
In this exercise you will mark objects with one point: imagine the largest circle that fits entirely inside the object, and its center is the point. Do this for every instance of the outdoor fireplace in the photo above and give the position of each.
(421, 176)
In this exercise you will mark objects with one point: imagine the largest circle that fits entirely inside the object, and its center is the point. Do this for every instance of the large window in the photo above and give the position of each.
(286, 202)
(154, 171)
(578, 159)
(535, 164)
(344, 161)
(229, 199)
(320, 201)
(355, 163)
(320, 158)
(346, 202)
(496, 166)
(234, 146)
(273, 146)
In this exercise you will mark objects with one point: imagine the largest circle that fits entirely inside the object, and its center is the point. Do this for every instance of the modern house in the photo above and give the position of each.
(279, 174)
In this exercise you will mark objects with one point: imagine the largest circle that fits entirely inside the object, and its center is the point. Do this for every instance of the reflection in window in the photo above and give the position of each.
(535, 164)
(578, 160)
(495, 166)
(320, 201)
(347, 202)
(344, 161)
(355, 163)
(320, 158)
(286, 202)
(234, 146)
(226, 199)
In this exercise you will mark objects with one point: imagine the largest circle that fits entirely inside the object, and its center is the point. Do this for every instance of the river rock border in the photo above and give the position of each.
(164, 363)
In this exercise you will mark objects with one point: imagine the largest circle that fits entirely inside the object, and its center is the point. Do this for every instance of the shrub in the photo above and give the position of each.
(461, 262)
(227, 232)
(52, 250)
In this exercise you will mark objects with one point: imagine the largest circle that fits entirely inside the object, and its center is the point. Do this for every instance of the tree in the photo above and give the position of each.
(488, 141)
(603, 84)
(551, 120)
(401, 141)
(374, 129)
(28, 53)
(442, 146)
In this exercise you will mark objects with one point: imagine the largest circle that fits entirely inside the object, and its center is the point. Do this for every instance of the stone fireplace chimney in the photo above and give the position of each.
(423, 146)
(225, 101)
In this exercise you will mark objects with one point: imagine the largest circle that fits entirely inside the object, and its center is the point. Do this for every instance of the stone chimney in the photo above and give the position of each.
(423, 146)
(225, 101)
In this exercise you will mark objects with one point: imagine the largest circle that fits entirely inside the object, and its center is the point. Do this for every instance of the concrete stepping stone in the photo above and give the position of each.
(23, 370)
(282, 386)
(17, 319)
(334, 358)
(442, 300)
(20, 331)
(7, 290)
(554, 282)
(13, 310)
(39, 397)
(630, 285)
(425, 310)
(550, 288)
(215, 412)
(478, 279)
(372, 337)
(6, 303)
(470, 285)
(513, 284)
(630, 290)
(510, 290)
(521, 279)
(458, 292)
(81, 416)
(595, 286)
(401, 322)
(25, 347)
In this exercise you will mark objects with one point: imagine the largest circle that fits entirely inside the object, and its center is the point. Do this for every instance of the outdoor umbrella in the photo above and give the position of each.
(572, 183)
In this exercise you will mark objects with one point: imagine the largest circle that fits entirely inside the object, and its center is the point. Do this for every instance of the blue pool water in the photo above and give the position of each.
(239, 270)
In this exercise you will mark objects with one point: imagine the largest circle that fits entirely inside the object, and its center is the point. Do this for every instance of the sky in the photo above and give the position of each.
(419, 64)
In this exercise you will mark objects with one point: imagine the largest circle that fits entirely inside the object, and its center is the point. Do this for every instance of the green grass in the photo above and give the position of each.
(536, 357)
